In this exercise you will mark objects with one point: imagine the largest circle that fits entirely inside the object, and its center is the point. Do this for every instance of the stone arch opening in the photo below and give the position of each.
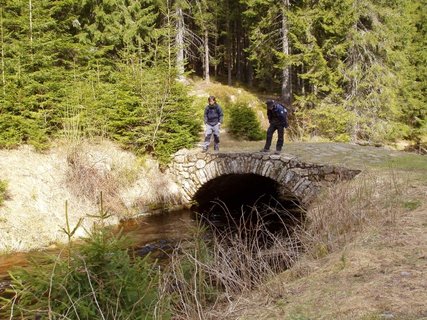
(231, 195)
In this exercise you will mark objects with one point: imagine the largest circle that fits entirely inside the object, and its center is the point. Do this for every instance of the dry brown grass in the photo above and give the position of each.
(209, 274)
(346, 209)
(129, 186)
(152, 190)
(31, 217)
(359, 255)
(89, 178)
(365, 258)
(75, 171)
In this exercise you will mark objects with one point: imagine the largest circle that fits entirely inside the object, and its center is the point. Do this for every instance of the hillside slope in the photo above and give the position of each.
(39, 185)
(382, 274)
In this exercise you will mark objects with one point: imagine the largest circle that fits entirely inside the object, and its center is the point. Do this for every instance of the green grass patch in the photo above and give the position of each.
(412, 204)
(412, 166)
(408, 162)
(298, 314)
(298, 317)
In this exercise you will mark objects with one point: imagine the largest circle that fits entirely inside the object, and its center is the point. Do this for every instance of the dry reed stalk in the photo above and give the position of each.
(239, 258)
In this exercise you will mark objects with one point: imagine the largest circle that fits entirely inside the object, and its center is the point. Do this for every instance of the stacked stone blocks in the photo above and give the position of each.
(298, 179)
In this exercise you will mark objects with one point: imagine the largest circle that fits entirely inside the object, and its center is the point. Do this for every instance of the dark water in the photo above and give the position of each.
(148, 234)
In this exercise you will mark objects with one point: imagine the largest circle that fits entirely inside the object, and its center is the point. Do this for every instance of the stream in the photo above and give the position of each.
(244, 202)
(155, 232)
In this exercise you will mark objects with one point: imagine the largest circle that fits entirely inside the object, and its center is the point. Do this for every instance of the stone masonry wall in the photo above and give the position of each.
(300, 179)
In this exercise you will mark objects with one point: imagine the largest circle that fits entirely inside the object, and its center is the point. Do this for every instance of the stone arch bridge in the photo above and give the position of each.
(196, 173)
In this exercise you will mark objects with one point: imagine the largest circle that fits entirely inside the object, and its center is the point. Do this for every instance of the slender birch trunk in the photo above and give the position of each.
(169, 28)
(286, 81)
(179, 38)
(206, 43)
(228, 44)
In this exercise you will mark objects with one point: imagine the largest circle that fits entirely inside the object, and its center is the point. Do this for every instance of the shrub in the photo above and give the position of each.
(331, 122)
(97, 280)
(19, 129)
(153, 113)
(88, 174)
(235, 260)
(243, 123)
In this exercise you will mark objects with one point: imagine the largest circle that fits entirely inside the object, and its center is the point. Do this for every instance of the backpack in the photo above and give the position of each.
(281, 113)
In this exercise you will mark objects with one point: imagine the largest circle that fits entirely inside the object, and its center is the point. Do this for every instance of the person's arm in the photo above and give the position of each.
(206, 115)
(269, 115)
(286, 123)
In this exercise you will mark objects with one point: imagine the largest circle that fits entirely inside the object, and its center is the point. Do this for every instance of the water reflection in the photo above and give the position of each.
(165, 226)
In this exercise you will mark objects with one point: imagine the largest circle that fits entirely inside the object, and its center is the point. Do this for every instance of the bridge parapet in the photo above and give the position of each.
(300, 179)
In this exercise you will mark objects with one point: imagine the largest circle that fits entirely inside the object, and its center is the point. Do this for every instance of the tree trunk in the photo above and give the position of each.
(286, 83)
(302, 81)
(206, 43)
(216, 55)
(229, 45)
(238, 42)
(179, 38)
(250, 75)
(169, 42)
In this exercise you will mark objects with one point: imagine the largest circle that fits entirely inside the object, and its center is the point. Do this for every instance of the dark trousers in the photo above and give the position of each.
(208, 134)
(280, 134)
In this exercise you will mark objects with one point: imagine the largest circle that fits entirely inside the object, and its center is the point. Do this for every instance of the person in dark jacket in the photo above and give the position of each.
(213, 118)
(278, 119)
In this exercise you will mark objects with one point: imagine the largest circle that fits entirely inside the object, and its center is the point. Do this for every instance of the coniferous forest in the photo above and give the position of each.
(351, 70)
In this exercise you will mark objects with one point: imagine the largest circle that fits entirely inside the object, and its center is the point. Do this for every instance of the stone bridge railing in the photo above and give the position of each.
(299, 179)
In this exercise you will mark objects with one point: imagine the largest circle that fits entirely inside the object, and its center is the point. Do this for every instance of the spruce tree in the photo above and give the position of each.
(413, 94)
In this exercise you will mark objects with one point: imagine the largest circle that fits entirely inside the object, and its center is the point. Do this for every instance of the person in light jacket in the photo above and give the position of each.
(213, 118)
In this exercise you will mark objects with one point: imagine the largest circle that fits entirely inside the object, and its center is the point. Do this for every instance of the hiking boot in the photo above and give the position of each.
(264, 150)
(204, 149)
(277, 152)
